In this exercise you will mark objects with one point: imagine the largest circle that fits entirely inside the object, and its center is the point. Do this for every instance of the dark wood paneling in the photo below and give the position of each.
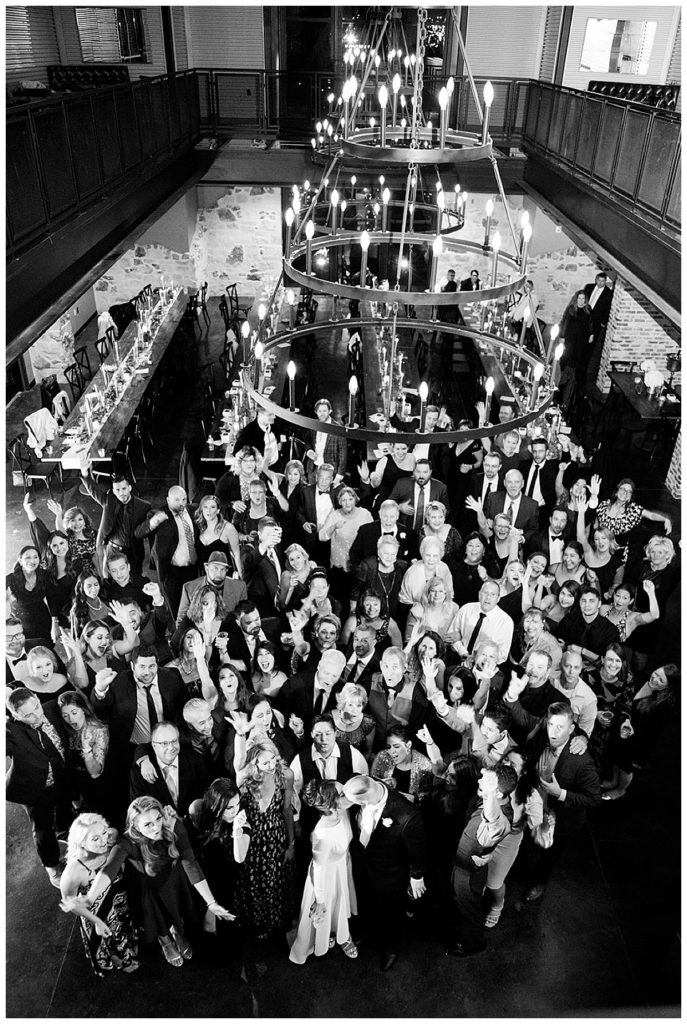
(25, 208)
(174, 118)
(674, 208)
(658, 164)
(589, 129)
(145, 119)
(128, 128)
(572, 127)
(631, 147)
(105, 113)
(159, 114)
(611, 126)
(53, 146)
(542, 135)
(84, 146)
(558, 114)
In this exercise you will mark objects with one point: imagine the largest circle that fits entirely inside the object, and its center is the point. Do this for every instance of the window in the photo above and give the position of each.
(131, 35)
(110, 35)
(617, 47)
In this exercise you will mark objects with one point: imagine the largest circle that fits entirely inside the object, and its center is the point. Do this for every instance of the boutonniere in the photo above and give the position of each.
(387, 822)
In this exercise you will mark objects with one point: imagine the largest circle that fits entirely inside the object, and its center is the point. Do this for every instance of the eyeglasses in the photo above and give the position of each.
(165, 743)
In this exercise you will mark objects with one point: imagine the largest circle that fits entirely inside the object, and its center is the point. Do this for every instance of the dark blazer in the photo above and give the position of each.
(466, 284)
(237, 646)
(118, 707)
(404, 490)
(468, 518)
(540, 541)
(232, 592)
(263, 581)
(139, 512)
(575, 773)
(30, 763)
(547, 479)
(527, 712)
(193, 779)
(252, 435)
(365, 543)
(365, 677)
(601, 309)
(165, 538)
(298, 694)
(396, 850)
(527, 518)
(305, 511)
(335, 451)
(214, 762)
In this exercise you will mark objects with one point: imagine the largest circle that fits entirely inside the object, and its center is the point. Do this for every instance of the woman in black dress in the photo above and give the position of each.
(163, 871)
(468, 573)
(577, 332)
(30, 595)
(220, 834)
(89, 739)
(215, 533)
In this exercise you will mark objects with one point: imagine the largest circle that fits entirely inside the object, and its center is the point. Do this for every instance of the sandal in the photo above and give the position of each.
(171, 953)
(493, 917)
(350, 949)
(182, 944)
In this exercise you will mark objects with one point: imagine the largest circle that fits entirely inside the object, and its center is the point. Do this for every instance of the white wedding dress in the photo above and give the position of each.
(329, 881)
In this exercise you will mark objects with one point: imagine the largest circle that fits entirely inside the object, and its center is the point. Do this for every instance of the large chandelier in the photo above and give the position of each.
(377, 124)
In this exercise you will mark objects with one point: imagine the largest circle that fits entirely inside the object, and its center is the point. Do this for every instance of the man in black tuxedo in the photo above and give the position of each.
(481, 485)
(365, 543)
(311, 692)
(16, 649)
(263, 565)
(124, 517)
(363, 661)
(313, 505)
(553, 539)
(524, 512)
(172, 773)
(569, 783)
(414, 494)
(244, 628)
(259, 433)
(131, 702)
(36, 751)
(174, 546)
(471, 283)
(390, 853)
(600, 298)
(216, 576)
(543, 478)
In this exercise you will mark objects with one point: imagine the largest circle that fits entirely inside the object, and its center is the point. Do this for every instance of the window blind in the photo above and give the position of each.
(31, 42)
(98, 34)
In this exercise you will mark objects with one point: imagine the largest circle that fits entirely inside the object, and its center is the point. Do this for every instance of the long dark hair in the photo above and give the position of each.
(573, 309)
(50, 561)
(80, 612)
(210, 823)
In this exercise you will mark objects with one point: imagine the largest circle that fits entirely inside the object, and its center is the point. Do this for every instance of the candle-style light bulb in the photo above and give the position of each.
(291, 370)
(495, 247)
(423, 390)
(554, 332)
(489, 385)
(558, 352)
(259, 349)
(488, 94)
(309, 232)
(443, 98)
(245, 329)
(353, 385)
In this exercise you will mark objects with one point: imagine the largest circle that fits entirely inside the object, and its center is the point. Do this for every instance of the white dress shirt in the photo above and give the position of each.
(556, 548)
(359, 665)
(512, 506)
(582, 701)
(323, 506)
(596, 295)
(536, 494)
(327, 766)
(497, 626)
(369, 816)
(142, 724)
(182, 552)
(171, 777)
(489, 487)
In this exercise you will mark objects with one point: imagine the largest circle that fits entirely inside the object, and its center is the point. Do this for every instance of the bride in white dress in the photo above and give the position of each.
(329, 894)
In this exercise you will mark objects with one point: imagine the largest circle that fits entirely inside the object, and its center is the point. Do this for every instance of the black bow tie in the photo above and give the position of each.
(322, 492)
(15, 661)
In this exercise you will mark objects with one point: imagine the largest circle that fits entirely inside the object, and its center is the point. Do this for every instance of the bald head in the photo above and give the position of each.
(513, 482)
(176, 498)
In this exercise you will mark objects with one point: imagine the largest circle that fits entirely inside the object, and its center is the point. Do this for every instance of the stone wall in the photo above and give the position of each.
(674, 477)
(636, 331)
(237, 239)
(53, 350)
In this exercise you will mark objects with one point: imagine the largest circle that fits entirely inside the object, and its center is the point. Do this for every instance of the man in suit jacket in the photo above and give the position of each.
(244, 628)
(36, 749)
(313, 505)
(570, 784)
(480, 485)
(365, 543)
(363, 657)
(553, 539)
(205, 732)
(172, 773)
(524, 511)
(390, 853)
(471, 283)
(600, 298)
(259, 433)
(122, 525)
(414, 494)
(263, 566)
(174, 546)
(543, 478)
(323, 447)
(216, 576)
(311, 692)
(16, 650)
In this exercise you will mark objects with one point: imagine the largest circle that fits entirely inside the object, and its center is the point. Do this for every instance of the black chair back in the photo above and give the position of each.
(74, 380)
(103, 348)
(83, 362)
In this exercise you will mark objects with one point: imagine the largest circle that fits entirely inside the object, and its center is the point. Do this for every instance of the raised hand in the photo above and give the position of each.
(489, 783)
(424, 735)
(474, 504)
(238, 506)
(296, 725)
(595, 484)
(120, 613)
(239, 719)
(104, 677)
(648, 586)
(152, 590)
(517, 684)
(156, 519)
(53, 505)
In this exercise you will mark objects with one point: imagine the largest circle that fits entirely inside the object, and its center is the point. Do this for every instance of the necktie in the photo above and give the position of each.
(420, 508)
(171, 784)
(533, 481)
(152, 710)
(508, 507)
(275, 562)
(320, 701)
(475, 633)
(184, 525)
(487, 489)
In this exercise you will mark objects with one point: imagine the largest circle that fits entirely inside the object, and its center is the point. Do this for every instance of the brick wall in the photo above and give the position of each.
(674, 477)
(636, 331)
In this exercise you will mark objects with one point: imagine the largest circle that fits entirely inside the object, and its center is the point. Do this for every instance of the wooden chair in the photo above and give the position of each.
(75, 381)
(84, 363)
(30, 471)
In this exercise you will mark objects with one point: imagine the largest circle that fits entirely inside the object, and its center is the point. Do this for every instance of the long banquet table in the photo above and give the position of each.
(72, 444)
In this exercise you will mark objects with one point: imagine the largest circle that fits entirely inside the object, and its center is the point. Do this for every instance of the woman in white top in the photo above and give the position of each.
(420, 573)
(341, 527)
(434, 611)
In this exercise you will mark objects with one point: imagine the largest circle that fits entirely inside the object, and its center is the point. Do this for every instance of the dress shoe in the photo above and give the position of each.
(388, 960)
(460, 950)
(534, 893)
(54, 875)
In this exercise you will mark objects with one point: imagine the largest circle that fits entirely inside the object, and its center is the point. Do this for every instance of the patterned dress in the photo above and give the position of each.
(119, 951)
(265, 895)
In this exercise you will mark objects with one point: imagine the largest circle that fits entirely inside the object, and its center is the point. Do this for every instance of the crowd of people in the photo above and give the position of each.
(331, 690)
